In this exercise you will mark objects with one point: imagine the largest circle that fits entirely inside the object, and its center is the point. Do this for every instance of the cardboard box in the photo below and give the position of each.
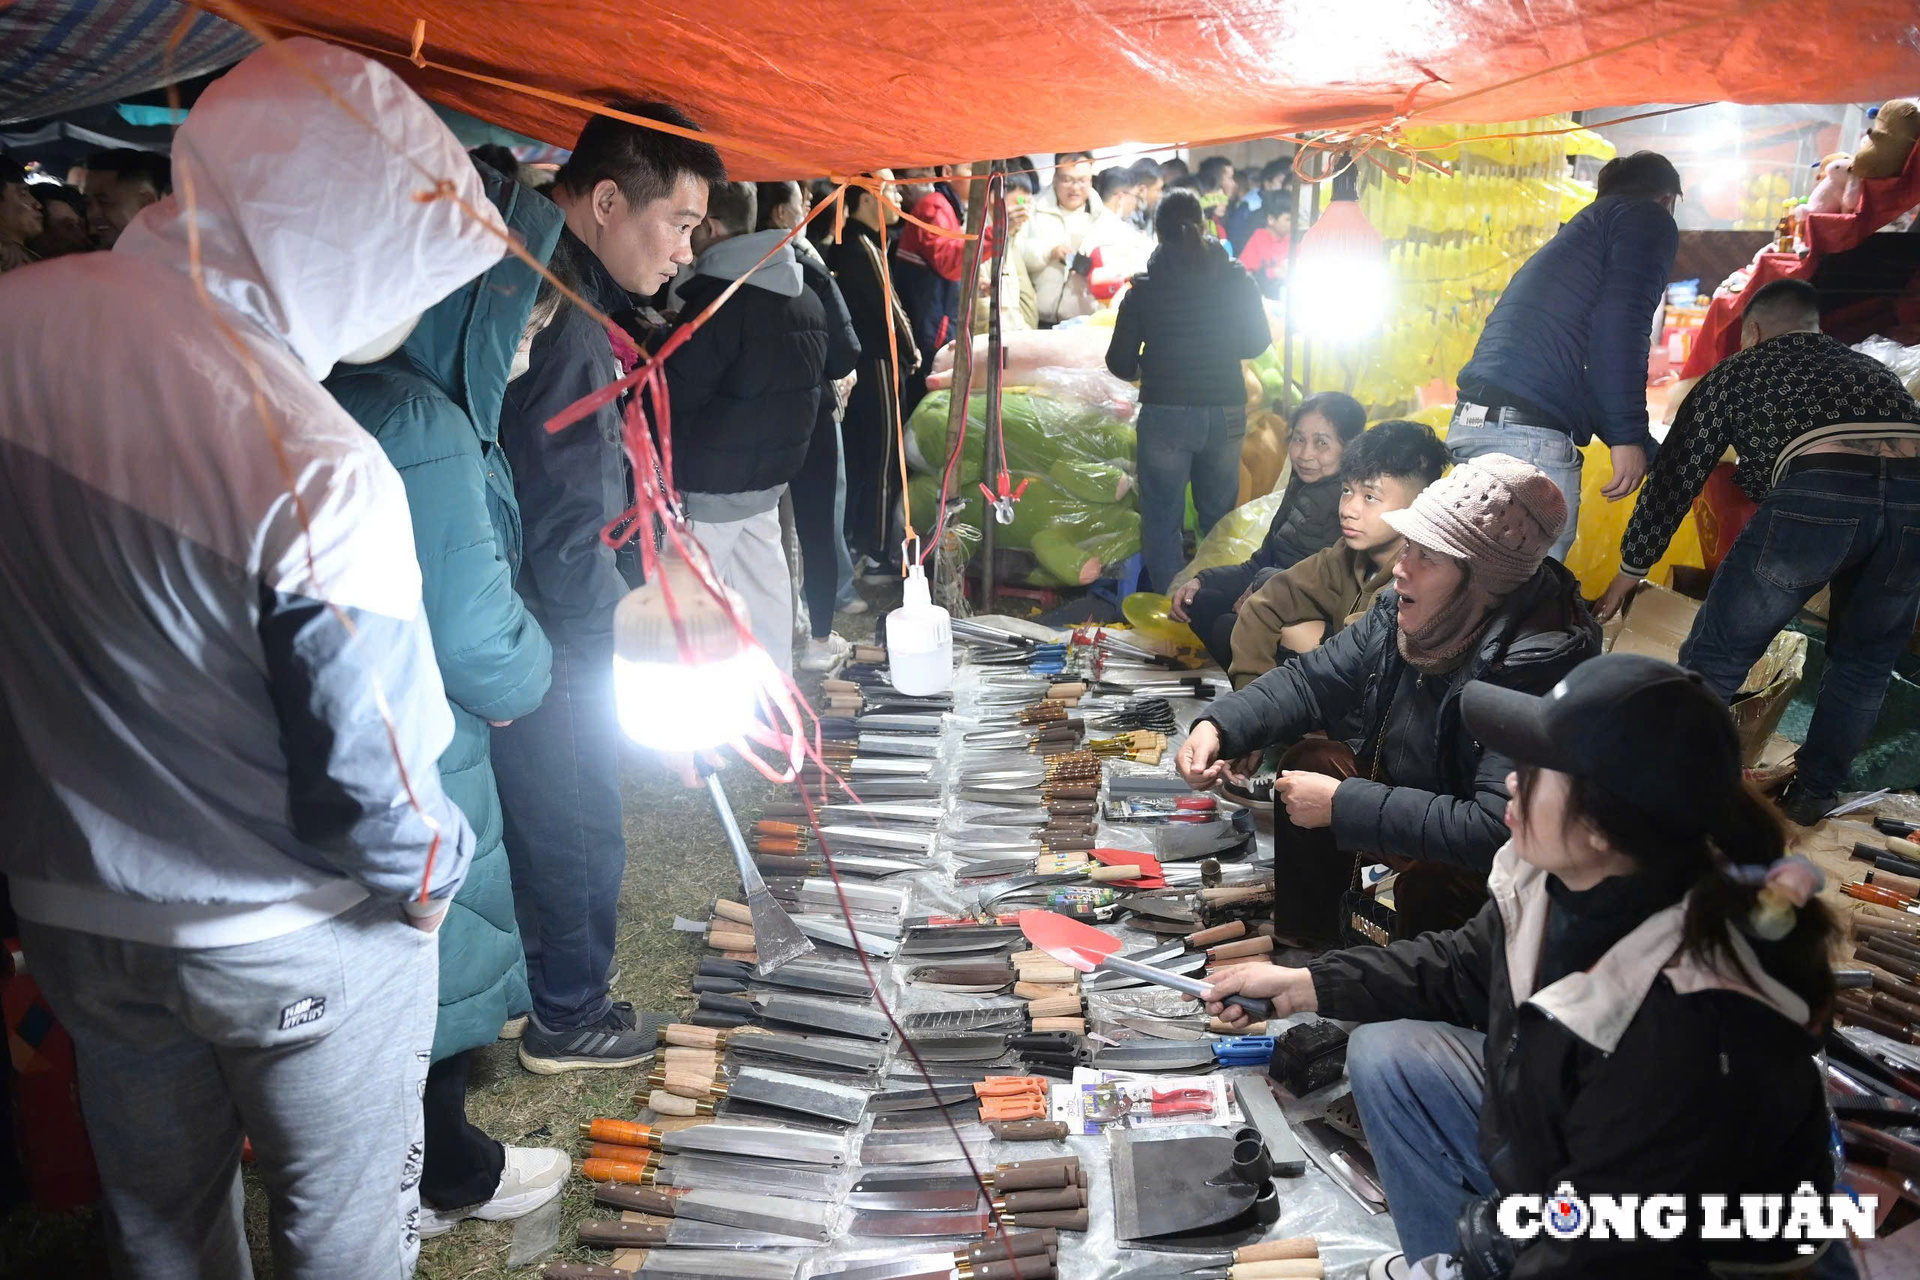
(1656, 622)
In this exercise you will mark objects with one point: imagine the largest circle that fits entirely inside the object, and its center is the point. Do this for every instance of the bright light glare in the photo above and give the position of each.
(1340, 297)
(673, 706)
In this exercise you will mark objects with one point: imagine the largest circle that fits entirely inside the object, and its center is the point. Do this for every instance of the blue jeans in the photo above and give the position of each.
(559, 776)
(1180, 444)
(1845, 520)
(1552, 451)
(1418, 1086)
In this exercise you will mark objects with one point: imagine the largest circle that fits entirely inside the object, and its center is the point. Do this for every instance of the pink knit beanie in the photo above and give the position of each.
(1498, 513)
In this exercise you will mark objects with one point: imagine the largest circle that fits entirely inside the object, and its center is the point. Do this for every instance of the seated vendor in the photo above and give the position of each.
(1318, 432)
(1474, 597)
(1292, 612)
(1627, 1015)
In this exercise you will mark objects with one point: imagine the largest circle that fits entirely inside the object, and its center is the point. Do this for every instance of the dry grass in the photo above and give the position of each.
(677, 863)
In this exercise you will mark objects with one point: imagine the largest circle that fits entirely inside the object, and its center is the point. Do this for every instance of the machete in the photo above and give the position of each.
(1035, 1247)
(846, 1053)
(810, 1013)
(776, 1215)
(785, 1090)
(725, 1139)
(898, 1192)
(964, 979)
(821, 978)
(1065, 1209)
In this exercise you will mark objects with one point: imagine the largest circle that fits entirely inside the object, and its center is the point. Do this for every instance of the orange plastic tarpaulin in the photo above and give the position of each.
(841, 86)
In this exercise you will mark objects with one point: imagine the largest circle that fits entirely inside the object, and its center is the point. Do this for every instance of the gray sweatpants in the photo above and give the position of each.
(314, 1045)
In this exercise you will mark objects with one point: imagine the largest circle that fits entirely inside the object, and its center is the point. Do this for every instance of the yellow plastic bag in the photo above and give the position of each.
(1595, 556)
(1147, 612)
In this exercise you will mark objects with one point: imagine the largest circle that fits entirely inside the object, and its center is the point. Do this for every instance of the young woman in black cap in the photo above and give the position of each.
(1632, 1013)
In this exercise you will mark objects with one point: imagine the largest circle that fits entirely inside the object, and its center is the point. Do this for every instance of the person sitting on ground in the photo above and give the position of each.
(20, 217)
(1474, 598)
(130, 181)
(1296, 610)
(63, 228)
(434, 406)
(1829, 445)
(1308, 520)
(1266, 251)
(1624, 1016)
(746, 388)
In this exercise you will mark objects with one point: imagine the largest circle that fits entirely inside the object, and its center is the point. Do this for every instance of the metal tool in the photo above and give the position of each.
(726, 1139)
(682, 1264)
(860, 866)
(896, 1226)
(919, 1098)
(1251, 1091)
(776, 1215)
(681, 1233)
(783, 1090)
(955, 1021)
(833, 835)
(955, 1192)
(1186, 1056)
(904, 745)
(1030, 1246)
(1085, 948)
(809, 1012)
(847, 1054)
(958, 1048)
(878, 813)
(822, 929)
(775, 940)
(816, 976)
(925, 1147)
(965, 979)
(800, 1181)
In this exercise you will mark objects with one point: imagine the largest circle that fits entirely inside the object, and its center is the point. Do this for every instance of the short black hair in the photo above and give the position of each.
(498, 158)
(1023, 182)
(1647, 174)
(1146, 172)
(1337, 407)
(1072, 157)
(59, 193)
(768, 196)
(150, 167)
(1783, 301)
(732, 205)
(1398, 448)
(12, 171)
(1210, 170)
(1274, 169)
(1113, 179)
(1173, 170)
(563, 268)
(644, 163)
(102, 160)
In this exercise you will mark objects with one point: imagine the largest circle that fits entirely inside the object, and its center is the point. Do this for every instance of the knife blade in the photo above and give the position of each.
(887, 1101)
(847, 1053)
(953, 942)
(950, 1021)
(959, 1192)
(920, 1146)
(776, 1215)
(793, 866)
(974, 979)
(932, 723)
(835, 834)
(800, 975)
(791, 1092)
(808, 1012)
(960, 1048)
(1032, 1246)
(709, 1174)
(896, 1226)
(887, 767)
(821, 929)
(685, 1233)
(1193, 1057)
(726, 1139)
(711, 1264)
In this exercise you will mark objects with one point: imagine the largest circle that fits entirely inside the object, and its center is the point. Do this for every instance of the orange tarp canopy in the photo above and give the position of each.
(837, 86)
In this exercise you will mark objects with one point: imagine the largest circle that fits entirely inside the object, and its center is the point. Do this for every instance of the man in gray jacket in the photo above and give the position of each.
(219, 708)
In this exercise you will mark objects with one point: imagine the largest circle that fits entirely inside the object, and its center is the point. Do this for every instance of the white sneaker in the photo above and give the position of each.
(825, 655)
(531, 1177)
(1389, 1266)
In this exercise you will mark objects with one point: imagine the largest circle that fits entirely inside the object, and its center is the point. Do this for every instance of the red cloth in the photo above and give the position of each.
(947, 255)
(1881, 201)
(1265, 255)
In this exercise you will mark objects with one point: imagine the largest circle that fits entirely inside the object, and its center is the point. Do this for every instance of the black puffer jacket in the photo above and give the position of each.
(1184, 328)
(1445, 795)
(1644, 1073)
(746, 387)
(1307, 521)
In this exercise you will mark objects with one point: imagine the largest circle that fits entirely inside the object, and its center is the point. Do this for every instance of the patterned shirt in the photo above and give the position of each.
(1760, 402)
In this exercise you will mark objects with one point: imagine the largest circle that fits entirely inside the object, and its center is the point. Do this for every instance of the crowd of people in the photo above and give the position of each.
(306, 647)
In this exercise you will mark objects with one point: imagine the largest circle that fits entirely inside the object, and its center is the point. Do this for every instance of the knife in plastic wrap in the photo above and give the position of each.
(744, 1210)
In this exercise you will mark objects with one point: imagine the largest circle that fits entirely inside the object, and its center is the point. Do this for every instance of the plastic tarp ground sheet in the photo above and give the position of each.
(800, 87)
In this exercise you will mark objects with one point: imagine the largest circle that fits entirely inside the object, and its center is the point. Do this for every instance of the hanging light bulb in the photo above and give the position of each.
(680, 700)
(1342, 279)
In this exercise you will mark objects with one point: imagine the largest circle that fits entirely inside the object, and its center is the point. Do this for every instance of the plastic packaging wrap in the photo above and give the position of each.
(1032, 357)
(1904, 361)
(1236, 537)
(1078, 515)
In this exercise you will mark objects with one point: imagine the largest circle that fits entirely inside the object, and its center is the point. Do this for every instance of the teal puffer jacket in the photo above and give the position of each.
(434, 406)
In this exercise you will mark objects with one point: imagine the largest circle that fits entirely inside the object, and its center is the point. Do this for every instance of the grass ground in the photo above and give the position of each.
(677, 863)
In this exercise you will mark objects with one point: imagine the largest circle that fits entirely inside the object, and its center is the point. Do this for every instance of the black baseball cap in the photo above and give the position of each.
(1647, 731)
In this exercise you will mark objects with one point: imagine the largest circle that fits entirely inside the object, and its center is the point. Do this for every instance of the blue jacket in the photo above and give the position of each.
(1569, 337)
(435, 408)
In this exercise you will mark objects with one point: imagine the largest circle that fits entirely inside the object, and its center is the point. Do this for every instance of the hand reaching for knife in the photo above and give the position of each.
(1199, 762)
(686, 765)
(1291, 991)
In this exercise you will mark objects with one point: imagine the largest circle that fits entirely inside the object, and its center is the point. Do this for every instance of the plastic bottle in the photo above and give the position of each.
(919, 640)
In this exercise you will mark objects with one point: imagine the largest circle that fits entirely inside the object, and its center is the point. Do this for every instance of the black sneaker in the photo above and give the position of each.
(621, 1038)
(1802, 808)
